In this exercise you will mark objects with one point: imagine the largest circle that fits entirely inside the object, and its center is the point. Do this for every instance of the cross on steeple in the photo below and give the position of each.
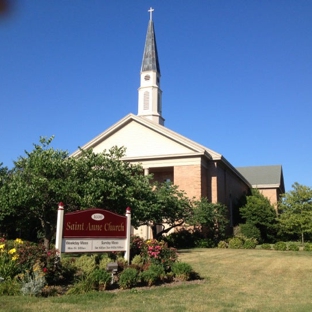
(151, 10)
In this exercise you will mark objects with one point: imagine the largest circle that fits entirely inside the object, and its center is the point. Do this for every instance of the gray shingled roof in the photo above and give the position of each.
(150, 55)
(263, 176)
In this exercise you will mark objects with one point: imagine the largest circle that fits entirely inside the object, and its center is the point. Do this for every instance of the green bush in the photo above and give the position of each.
(266, 246)
(155, 273)
(85, 263)
(235, 243)
(104, 260)
(307, 247)
(250, 243)
(293, 247)
(128, 278)
(137, 260)
(182, 270)
(250, 231)
(100, 277)
(280, 246)
(182, 239)
(10, 287)
(223, 244)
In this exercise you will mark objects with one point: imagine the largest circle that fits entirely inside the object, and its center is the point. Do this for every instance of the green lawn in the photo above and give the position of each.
(233, 280)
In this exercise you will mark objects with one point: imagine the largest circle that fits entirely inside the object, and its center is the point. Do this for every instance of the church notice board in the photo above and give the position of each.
(93, 230)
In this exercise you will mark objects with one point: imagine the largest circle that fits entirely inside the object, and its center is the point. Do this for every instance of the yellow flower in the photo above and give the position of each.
(14, 257)
(18, 241)
(2, 246)
(12, 251)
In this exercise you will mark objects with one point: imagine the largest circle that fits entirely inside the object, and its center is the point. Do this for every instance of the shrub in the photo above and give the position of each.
(237, 231)
(100, 277)
(33, 282)
(128, 278)
(307, 247)
(30, 254)
(85, 264)
(10, 287)
(250, 243)
(235, 243)
(182, 270)
(157, 252)
(155, 273)
(105, 260)
(223, 244)
(280, 246)
(9, 258)
(293, 247)
(136, 243)
(250, 231)
(181, 239)
(137, 260)
(266, 246)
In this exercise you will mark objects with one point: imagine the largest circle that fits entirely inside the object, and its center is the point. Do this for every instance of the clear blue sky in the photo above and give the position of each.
(236, 75)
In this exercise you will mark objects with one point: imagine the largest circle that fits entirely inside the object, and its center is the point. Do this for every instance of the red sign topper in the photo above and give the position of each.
(93, 223)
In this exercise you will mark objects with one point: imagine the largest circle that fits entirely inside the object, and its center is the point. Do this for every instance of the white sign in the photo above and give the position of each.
(93, 245)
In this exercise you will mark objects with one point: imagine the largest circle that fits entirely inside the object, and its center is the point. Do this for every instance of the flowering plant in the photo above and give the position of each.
(9, 258)
(48, 260)
(158, 252)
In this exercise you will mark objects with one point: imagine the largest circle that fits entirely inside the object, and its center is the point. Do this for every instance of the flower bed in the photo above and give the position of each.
(30, 269)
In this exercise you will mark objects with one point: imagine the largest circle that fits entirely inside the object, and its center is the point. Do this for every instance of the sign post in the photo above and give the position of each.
(127, 253)
(59, 228)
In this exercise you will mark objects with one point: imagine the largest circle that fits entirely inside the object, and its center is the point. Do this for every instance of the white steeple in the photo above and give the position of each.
(149, 105)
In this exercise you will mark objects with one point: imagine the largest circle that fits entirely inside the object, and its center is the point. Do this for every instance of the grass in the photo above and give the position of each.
(234, 280)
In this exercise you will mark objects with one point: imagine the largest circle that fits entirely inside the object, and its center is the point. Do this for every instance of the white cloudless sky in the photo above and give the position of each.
(236, 75)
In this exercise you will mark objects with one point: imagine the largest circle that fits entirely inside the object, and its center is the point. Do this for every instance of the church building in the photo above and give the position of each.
(169, 156)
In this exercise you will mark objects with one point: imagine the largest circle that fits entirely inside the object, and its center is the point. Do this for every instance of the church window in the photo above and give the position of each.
(147, 77)
(146, 100)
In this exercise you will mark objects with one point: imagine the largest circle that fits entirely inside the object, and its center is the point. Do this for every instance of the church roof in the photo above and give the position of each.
(146, 140)
(159, 130)
(150, 55)
(264, 176)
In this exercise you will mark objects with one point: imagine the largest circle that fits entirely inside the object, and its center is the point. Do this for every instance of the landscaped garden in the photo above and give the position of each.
(30, 269)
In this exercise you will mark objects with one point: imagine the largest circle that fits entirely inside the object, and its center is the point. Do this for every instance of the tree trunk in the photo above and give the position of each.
(46, 243)
(46, 227)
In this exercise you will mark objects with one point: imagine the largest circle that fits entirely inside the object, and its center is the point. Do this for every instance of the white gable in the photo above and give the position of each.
(142, 141)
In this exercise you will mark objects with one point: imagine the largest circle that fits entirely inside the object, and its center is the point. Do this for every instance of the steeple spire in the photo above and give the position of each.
(150, 55)
(149, 91)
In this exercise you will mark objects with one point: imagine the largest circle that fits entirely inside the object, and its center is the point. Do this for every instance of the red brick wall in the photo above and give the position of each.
(272, 195)
(189, 178)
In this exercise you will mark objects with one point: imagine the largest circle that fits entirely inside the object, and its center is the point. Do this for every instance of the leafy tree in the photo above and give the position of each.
(295, 209)
(167, 208)
(212, 218)
(259, 212)
(45, 176)
(3, 173)
(34, 188)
